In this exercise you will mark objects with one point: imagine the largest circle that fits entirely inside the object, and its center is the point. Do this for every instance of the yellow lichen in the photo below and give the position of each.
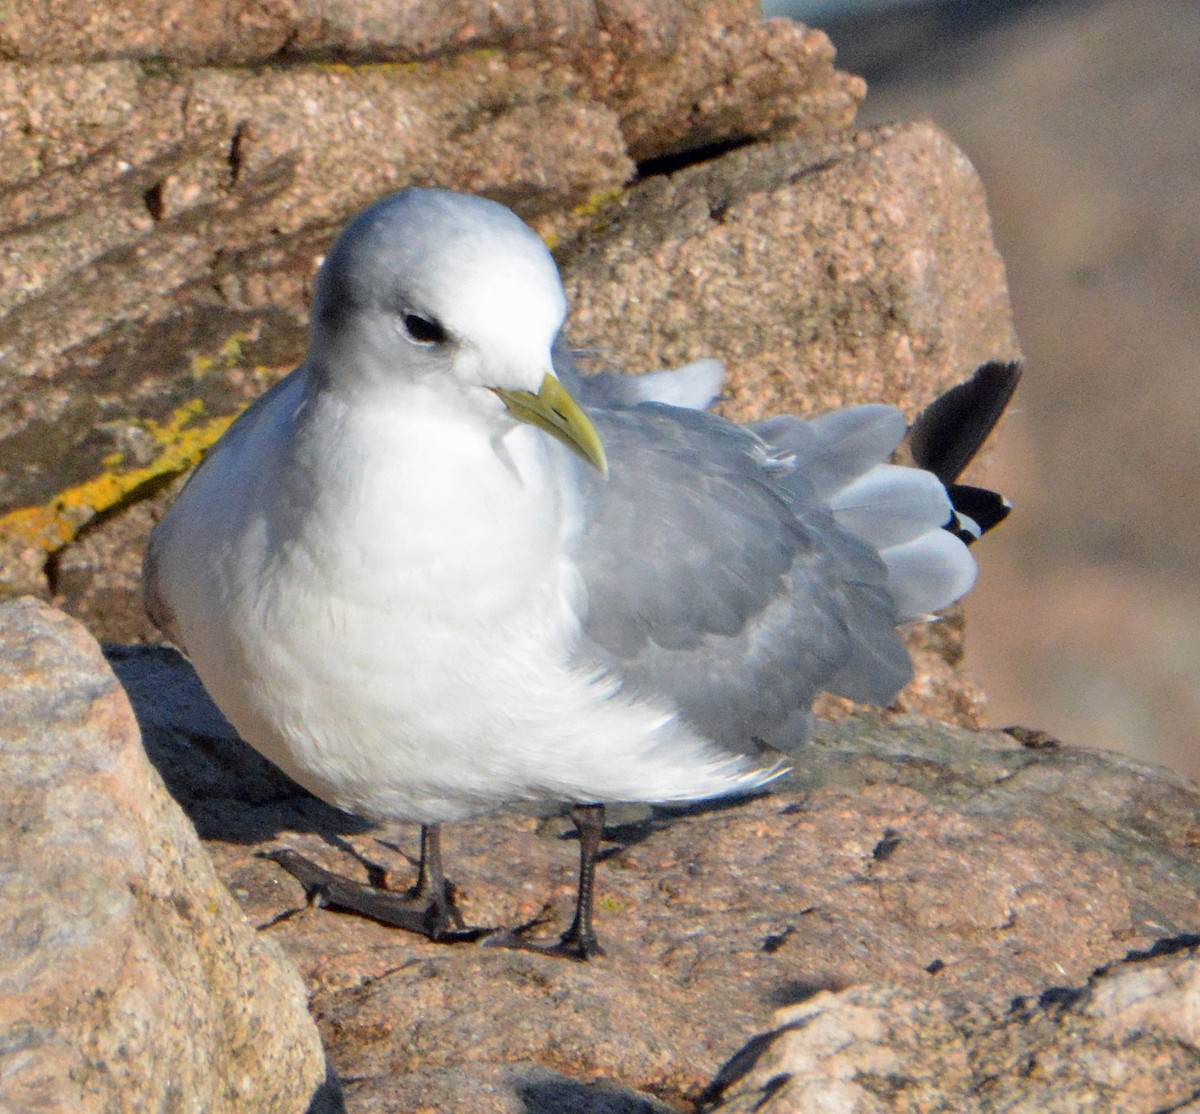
(597, 200)
(228, 355)
(353, 69)
(231, 351)
(183, 439)
(595, 203)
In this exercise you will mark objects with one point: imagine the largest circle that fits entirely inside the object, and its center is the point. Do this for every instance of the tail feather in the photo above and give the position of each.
(919, 520)
(976, 511)
(949, 432)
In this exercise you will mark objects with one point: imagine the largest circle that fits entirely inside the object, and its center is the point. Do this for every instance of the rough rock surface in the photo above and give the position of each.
(129, 979)
(911, 862)
(824, 272)
(1126, 1041)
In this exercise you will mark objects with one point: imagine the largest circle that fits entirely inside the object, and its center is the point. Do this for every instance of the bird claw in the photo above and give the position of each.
(571, 945)
(425, 915)
(414, 911)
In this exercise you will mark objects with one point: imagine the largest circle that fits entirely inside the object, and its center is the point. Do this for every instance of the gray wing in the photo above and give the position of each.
(693, 385)
(717, 577)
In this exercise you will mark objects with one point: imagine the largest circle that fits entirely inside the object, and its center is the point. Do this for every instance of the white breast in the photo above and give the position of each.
(391, 618)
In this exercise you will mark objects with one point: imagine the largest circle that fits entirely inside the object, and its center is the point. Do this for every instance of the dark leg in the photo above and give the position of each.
(579, 941)
(432, 886)
(428, 908)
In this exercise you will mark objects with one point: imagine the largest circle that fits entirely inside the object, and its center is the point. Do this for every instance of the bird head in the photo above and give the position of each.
(450, 290)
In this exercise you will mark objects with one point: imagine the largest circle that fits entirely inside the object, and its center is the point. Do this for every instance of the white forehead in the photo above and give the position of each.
(469, 262)
(494, 280)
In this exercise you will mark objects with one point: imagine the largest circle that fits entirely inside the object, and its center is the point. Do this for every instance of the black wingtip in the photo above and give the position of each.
(949, 431)
(976, 511)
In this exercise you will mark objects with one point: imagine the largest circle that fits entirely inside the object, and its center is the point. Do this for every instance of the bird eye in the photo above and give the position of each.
(423, 330)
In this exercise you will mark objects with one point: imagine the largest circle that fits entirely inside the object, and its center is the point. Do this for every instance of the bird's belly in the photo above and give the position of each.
(411, 650)
(388, 677)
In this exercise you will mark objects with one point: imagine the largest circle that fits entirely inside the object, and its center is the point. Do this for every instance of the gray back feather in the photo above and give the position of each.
(694, 385)
(831, 450)
(717, 576)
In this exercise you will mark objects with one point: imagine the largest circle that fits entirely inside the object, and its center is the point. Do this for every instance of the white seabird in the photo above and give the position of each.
(424, 581)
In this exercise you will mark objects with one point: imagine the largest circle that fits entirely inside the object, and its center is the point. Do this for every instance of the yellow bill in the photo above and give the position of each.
(553, 410)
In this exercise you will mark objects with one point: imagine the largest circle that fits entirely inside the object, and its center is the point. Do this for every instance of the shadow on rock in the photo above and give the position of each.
(544, 1092)
(228, 790)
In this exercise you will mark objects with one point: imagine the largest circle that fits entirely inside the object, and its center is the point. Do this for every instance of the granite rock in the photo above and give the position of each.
(129, 978)
(853, 269)
(1126, 1040)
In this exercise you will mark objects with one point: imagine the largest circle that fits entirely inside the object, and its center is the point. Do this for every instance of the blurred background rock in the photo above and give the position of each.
(1083, 119)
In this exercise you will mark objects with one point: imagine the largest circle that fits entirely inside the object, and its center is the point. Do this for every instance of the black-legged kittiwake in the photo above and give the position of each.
(424, 580)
